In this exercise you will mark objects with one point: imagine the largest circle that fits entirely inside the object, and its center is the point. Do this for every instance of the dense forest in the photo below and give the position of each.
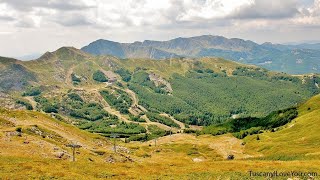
(204, 97)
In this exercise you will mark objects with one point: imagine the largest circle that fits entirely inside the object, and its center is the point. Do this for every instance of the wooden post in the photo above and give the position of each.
(114, 136)
(73, 146)
(73, 154)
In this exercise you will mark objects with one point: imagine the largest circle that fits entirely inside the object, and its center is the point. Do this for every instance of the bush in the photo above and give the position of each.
(46, 105)
(124, 73)
(25, 103)
(136, 118)
(139, 137)
(34, 91)
(99, 76)
(191, 131)
(75, 97)
(19, 129)
(50, 108)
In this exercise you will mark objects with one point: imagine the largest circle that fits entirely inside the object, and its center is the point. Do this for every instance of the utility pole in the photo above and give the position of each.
(155, 142)
(114, 136)
(73, 146)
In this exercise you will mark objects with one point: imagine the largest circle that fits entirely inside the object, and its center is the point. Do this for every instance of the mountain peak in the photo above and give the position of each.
(46, 56)
(65, 53)
(67, 49)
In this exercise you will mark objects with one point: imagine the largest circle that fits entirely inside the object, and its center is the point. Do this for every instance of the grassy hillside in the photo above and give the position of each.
(34, 134)
(180, 156)
(297, 140)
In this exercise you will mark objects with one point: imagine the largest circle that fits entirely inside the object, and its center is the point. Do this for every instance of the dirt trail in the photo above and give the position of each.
(108, 108)
(182, 125)
(124, 118)
(68, 79)
(32, 101)
(161, 126)
(135, 101)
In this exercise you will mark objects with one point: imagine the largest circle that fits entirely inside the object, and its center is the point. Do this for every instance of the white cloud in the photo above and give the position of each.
(211, 9)
(310, 16)
(77, 22)
(267, 9)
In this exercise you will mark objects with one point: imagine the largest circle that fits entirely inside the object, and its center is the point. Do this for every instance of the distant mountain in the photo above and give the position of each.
(315, 46)
(29, 57)
(294, 59)
(126, 50)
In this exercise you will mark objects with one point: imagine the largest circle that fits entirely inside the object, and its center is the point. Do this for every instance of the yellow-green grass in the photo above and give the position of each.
(294, 147)
(54, 133)
(299, 139)
(164, 168)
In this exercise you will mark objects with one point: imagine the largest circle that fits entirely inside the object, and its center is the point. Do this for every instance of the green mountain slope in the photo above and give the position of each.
(297, 140)
(211, 90)
(199, 91)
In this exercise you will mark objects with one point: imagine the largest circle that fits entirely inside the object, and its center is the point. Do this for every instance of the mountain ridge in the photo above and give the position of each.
(276, 57)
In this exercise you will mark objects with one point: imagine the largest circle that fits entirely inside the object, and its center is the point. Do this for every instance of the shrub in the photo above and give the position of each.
(19, 129)
(34, 91)
(125, 74)
(136, 118)
(190, 131)
(50, 108)
(75, 97)
(46, 105)
(99, 76)
(258, 138)
(25, 103)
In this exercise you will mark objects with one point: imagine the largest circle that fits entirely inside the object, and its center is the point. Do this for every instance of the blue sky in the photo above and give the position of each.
(37, 26)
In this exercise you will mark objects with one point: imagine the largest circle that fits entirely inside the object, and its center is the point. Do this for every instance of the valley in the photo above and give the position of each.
(160, 90)
(180, 118)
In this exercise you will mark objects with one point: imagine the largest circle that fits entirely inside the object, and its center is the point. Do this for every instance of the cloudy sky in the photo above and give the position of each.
(36, 26)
